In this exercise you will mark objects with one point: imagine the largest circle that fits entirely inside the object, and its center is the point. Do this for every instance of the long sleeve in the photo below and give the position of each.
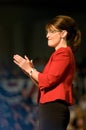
(54, 70)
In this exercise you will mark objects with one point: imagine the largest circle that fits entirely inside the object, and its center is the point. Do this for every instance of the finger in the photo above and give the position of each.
(16, 63)
(27, 58)
(18, 58)
(20, 64)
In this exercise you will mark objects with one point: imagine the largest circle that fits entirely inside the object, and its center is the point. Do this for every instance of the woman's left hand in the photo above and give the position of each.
(24, 63)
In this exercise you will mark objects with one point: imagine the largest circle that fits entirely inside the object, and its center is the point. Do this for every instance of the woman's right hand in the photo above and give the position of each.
(24, 63)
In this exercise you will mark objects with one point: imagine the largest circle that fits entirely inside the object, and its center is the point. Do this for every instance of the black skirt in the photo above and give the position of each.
(54, 115)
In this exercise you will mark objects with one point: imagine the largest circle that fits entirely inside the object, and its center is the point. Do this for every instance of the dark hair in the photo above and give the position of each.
(63, 22)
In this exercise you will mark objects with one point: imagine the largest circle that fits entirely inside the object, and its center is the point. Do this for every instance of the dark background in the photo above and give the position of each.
(22, 26)
(22, 31)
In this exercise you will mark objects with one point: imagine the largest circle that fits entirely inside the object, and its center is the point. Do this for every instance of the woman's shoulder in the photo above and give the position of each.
(63, 50)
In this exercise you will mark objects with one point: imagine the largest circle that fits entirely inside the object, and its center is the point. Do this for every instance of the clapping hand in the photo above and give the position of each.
(24, 63)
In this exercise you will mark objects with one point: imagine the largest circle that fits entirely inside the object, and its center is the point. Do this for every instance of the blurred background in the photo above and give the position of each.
(22, 31)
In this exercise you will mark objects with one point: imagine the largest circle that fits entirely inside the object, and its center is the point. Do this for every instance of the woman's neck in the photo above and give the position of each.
(62, 43)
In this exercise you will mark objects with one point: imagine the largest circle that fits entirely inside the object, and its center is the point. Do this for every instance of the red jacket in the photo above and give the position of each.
(55, 82)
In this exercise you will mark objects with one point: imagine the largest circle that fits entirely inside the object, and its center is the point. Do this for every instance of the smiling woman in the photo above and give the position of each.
(56, 80)
(55, 37)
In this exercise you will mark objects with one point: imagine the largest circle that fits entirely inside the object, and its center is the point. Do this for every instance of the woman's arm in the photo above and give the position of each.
(27, 67)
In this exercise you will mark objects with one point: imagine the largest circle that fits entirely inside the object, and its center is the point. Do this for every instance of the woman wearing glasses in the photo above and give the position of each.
(55, 81)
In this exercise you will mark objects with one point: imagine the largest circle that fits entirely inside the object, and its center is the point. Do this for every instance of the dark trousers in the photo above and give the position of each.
(54, 116)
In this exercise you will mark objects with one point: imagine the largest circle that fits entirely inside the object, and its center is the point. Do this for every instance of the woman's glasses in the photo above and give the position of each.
(53, 31)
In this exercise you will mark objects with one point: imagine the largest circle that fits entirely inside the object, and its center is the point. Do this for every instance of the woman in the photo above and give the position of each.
(55, 82)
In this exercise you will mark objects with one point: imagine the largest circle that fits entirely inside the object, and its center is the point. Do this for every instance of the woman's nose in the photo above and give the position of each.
(47, 35)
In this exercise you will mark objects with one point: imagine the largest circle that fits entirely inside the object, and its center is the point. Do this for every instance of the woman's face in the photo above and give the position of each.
(54, 38)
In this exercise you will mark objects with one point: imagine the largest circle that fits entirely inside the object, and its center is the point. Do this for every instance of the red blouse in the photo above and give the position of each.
(55, 82)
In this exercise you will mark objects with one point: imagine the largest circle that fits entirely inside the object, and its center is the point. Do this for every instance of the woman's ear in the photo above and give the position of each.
(64, 34)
